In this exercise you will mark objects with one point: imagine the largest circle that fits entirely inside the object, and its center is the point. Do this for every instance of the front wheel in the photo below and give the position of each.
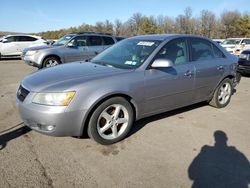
(51, 62)
(222, 94)
(111, 121)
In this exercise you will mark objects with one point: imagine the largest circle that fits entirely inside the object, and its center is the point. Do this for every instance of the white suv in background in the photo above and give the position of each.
(243, 45)
(13, 45)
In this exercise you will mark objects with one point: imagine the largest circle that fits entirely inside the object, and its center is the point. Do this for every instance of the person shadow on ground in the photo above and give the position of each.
(220, 166)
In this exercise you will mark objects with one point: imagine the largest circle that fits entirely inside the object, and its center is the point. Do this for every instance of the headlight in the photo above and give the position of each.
(54, 99)
(31, 52)
(244, 56)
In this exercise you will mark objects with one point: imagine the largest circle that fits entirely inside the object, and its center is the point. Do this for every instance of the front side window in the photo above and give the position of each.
(79, 41)
(127, 54)
(175, 50)
(10, 39)
(201, 49)
(63, 40)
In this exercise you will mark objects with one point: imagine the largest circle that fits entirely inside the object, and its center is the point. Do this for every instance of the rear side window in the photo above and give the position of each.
(201, 49)
(217, 52)
(95, 41)
(108, 40)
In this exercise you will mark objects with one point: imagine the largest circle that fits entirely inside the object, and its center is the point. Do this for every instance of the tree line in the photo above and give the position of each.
(228, 24)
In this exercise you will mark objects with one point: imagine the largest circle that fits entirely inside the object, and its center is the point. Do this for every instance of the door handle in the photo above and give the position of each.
(188, 74)
(220, 68)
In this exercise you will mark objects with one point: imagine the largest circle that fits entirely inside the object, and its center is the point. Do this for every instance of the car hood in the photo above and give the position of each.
(43, 47)
(228, 45)
(53, 79)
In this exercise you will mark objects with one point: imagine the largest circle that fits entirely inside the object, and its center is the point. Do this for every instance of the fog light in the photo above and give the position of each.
(46, 127)
(50, 127)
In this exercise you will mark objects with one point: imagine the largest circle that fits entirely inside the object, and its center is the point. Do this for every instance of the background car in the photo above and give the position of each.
(236, 45)
(244, 63)
(13, 45)
(72, 47)
(219, 41)
(230, 43)
(133, 79)
(243, 45)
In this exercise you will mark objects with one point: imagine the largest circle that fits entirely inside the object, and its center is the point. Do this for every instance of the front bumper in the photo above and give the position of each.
(39, 117)
(32, 61)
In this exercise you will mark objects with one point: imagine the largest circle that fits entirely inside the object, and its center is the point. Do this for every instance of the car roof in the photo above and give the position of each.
(162, 37)
(35, 36)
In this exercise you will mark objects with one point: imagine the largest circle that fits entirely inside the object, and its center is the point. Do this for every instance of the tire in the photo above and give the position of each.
(111, 121)
(51, 62)
(238, 77)
(222, 94)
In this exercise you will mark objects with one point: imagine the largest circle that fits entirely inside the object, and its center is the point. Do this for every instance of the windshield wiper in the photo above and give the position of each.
(102, 63)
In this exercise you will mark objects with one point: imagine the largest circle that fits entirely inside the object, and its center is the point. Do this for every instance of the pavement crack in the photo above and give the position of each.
(43, 169)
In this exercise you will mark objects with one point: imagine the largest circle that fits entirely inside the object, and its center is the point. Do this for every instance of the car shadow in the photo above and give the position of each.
(12, 58)
(5, 138)
(143, 122)
(220, 166)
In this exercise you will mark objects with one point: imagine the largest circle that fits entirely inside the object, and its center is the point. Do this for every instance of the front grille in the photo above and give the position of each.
(22, 93)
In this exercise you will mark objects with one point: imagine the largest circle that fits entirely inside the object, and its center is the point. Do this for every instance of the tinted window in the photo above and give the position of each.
(246, 41)
(26, 38)
(201, 49)
(175, 50)
(10, 39)
(79, 41)
(217, 52)
(108, 40)
(95, 41)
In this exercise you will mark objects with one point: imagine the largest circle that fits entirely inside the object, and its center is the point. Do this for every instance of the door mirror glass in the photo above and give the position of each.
(162, 63)
(71, 45)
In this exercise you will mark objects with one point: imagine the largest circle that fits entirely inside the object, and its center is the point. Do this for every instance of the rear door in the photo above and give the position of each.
(172, 87)
(210, 64)
(95, 45)
(25, 42)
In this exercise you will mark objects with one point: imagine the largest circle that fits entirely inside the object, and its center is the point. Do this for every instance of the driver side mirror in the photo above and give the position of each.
(162, 63)
(71, 45)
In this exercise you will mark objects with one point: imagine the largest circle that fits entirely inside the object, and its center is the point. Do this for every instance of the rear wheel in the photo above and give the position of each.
(111, 121)
(51, 62)
(222, 94)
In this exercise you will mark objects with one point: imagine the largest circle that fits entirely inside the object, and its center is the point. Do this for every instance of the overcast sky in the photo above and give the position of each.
(43, 15)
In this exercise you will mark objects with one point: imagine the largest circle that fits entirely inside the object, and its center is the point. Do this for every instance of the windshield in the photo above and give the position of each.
(127, 54)
(63, 40)
(231, 41)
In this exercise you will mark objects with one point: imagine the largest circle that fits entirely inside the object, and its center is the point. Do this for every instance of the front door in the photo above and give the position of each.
(172, 87)
(78, 51)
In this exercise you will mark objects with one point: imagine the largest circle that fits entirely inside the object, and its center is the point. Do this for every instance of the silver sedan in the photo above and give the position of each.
(136, 78)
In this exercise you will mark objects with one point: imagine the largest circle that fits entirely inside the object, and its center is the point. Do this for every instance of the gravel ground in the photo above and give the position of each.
(174, 149)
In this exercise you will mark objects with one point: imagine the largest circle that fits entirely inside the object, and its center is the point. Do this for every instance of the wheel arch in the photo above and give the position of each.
(51, 55)
(101, 100)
